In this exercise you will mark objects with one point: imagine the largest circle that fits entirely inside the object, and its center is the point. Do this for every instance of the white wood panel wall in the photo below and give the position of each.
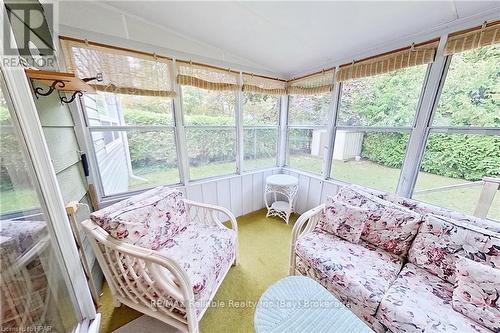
(241, 194)
(313, 190)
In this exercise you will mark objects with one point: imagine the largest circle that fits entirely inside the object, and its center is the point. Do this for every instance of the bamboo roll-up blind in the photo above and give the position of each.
(487, 34)
(392, 61)
(123, 72)
(257, 84)
(312, 84)
(207, 77)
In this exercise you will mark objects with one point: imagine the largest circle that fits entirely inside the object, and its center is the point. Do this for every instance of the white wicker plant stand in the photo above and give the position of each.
(285, 186)
(300, 304)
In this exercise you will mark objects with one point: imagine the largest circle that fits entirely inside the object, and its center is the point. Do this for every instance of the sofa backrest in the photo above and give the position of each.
(425, 208)
(439, 241)
(148, 220)
(390, 227)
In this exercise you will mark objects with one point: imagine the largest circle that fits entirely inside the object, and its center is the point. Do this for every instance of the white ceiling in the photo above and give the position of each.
(293, 37)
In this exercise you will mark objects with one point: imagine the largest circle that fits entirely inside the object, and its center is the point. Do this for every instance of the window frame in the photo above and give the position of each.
(431, 129)
(186, 127)
(124, 129)
(328, 173)
(330, 119)
(257, 127)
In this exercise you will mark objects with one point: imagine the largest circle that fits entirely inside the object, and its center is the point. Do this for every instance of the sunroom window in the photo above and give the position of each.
(209, 110)
(260, 130)
(261, 114)
(130, 119)
(134, 141)
(462, 153)
(209, 122)
(375, 119)
(308, 113)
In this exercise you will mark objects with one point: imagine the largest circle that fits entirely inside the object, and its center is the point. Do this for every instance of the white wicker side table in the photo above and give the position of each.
(285, 186)
(298, 304)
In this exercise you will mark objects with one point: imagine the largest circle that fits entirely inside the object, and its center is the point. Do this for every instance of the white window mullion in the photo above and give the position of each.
(180, 133)
(332, 128)
(283, 132)
(239, 128)
(419, 134)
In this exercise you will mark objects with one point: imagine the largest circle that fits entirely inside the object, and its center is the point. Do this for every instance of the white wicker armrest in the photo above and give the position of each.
(305, 223)
(208, 214)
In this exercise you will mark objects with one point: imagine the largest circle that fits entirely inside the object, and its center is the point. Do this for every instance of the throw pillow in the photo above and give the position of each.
(343, 220)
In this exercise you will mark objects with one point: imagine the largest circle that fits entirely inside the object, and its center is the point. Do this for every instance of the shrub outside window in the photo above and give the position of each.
(134, 141)
(374, 123)
(210, 125)
(260, 130)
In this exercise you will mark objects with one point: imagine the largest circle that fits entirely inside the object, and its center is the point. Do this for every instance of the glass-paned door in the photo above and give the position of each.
(34, 296)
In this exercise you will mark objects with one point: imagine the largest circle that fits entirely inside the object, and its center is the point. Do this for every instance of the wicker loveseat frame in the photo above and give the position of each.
(151, 282)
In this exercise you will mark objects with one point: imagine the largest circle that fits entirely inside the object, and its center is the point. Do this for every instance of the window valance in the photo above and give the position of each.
(312, 84)
(123, 72)
(392, 61)
(487, 34)
(258, 84)
(206, 77)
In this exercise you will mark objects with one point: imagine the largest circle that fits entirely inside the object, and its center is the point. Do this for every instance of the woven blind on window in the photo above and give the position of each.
(393, 61)
(123, 72)
(468, 40)
(313, 84)
(206, 77)
(257, 84)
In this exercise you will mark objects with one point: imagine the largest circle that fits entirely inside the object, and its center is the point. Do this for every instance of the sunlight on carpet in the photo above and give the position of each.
(264, 245)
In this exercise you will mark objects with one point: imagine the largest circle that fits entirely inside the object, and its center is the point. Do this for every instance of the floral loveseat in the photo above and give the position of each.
(401, 265)
(164, 255)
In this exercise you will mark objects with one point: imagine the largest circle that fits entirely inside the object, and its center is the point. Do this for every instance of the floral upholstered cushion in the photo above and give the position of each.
(205, 253)
(343, 220)
(439, 242)
(477, 293)
(389, 226)
(149, 222)
(425, 208)
(392, 229)
(357, 273)
(421, 302)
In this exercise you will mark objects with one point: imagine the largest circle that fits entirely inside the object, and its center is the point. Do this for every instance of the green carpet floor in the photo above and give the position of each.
(264, 253)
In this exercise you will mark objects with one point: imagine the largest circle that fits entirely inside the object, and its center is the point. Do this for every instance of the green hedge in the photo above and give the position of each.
(471, 157)
(204, 145)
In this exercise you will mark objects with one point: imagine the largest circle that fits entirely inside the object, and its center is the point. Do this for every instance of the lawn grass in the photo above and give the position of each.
(364, 173)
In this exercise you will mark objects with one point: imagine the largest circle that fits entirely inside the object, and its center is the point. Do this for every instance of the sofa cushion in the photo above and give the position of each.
(149, 222)
(477, 293)
(343, 220)
(357, 273)
(421, 302)
(390, 227)
(205, 253)
(439, 241)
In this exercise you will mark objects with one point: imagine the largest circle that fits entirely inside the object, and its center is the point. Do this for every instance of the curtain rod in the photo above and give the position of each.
(72, 39)
(367, 58)
(392, 51)
(474, 29)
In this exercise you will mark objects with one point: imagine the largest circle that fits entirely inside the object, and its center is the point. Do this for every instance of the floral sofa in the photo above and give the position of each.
(401, 265)
(164, 255)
